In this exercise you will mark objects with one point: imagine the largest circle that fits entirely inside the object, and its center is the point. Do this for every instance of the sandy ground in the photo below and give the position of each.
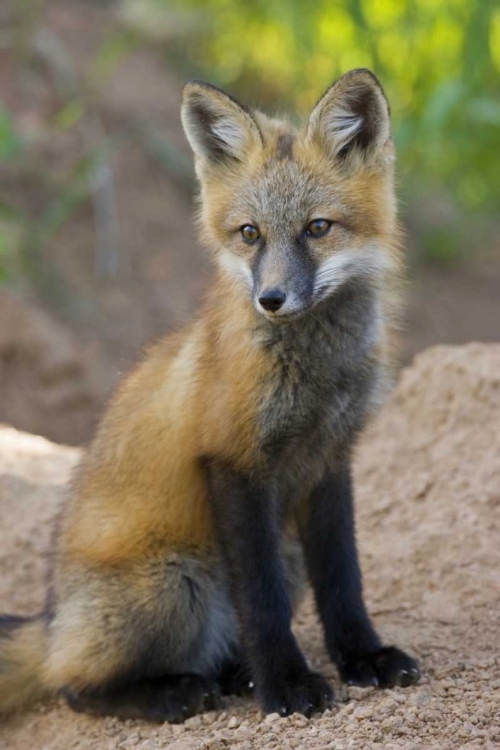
(428, 498)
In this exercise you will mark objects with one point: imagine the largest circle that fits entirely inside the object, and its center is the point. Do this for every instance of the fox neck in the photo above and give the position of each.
(313, 377)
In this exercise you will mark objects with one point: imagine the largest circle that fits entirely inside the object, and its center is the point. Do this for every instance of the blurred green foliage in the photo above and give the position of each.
(10, 145)
(439, 61)
(9, 141)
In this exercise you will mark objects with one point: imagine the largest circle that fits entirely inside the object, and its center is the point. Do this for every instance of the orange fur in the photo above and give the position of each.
(197, 392)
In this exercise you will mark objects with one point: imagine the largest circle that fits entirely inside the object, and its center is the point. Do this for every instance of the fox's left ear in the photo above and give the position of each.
(352, 114)
(218, 128)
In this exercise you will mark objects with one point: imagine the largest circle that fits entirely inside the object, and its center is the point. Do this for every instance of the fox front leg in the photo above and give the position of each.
(327, 530)
(247, 524)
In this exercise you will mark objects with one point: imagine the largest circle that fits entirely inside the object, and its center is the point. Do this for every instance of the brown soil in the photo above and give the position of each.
(46, 385)
(428, 496)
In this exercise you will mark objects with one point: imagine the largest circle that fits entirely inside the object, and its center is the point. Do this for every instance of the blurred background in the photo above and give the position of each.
(97, 249)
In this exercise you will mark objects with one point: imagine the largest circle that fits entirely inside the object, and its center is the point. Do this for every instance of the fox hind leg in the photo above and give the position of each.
(172, 698)
(144, 643)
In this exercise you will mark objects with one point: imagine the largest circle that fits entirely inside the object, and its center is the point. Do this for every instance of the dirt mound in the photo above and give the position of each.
(428, 494)
(48, 383)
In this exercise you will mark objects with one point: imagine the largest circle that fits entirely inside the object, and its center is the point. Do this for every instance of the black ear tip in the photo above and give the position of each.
(365, 73)
(194, 84)
(367, 76)
(209, 88)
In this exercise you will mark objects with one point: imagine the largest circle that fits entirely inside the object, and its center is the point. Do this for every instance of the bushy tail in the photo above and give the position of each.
(23, 650)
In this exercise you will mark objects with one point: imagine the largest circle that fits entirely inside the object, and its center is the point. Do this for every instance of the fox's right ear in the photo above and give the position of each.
(218, 128)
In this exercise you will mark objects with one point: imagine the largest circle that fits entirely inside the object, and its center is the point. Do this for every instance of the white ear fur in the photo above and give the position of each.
(342, 125)
(216, 126)
(352, 112)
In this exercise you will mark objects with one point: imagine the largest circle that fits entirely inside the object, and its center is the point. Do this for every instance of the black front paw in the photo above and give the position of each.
(386, 667)
(304, 693)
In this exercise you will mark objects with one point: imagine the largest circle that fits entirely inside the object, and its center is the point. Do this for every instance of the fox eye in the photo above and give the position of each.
(318, 227)
(250, 233)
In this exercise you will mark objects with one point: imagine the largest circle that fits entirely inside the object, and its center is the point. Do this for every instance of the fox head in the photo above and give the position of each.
(292, 215)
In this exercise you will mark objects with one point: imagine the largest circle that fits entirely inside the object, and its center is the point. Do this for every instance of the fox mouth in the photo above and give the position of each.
(285, 317)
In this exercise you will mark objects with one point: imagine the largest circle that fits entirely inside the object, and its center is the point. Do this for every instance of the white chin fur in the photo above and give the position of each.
(370, 261)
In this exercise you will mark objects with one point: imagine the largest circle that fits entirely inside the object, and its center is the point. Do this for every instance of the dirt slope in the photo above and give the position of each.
(50, 383)
(428, 486)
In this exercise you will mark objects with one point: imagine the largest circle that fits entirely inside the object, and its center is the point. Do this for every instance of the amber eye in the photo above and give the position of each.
(318, 227)
(250, 233)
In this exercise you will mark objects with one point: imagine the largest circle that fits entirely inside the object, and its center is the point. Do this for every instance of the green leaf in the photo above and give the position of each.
(485, 111)
(441, 246)
(10, 144)
(70, 114)
(4, 243)
(10, 213)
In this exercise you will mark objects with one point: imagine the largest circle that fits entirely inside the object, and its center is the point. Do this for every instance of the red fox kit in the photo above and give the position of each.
(221, 469)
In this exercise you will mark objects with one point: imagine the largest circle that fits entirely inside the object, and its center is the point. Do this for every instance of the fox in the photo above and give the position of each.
(218, 483)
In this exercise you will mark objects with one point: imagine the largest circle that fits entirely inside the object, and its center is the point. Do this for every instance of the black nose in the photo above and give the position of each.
(272, 300)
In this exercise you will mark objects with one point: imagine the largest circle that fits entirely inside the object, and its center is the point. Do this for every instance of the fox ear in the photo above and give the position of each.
(218, 128)
(352, 114)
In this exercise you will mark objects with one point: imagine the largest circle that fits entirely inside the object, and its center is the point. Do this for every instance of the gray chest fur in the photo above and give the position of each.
(325, 379)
